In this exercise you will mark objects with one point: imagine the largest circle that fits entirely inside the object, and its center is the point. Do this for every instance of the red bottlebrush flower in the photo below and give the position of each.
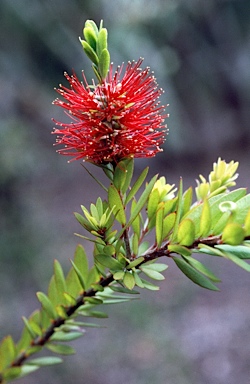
(119, 118)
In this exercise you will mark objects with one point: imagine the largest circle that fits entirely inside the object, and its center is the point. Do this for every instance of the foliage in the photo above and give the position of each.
(217, 224)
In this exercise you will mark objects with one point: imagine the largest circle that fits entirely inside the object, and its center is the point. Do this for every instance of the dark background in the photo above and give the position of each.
(200, 53)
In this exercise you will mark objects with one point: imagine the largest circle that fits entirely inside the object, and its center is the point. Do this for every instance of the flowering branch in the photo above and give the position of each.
(112, 122)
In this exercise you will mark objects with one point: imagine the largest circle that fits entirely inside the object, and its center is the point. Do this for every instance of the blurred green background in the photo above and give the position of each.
(200, 53)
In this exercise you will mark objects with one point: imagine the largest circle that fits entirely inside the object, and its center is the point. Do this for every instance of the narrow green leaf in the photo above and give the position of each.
(45, 361)
(60, 281)
(12, 374)
(135, 244)
(159, 224)
(129, 166)
(179, 249)
(27, 369)
(240, 251)
(123, 289)
(79, 275)
(194, 275)
(136, 224)
(90, 37)
(186, 201)
(109, 262)
(84, 324)
(159, 267)
(115, 201)
(91, 24)
(148, 285)
(96, 314)
(61, 349)
(201, 268)
(205, 220)
(30, 329)
(104, 63)
(66, 336)
(136, 186)
(168, 224)
(142, 201)
(186, 232)
(178, 212)
(47, 305)
(102, 41)
(152, 273)
(135, 262)
(7, 352)
(90, 52)
(120, 175)
(153, 201)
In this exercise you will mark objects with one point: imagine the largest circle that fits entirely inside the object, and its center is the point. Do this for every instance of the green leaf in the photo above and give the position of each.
(159, 267)
(104, 63)
(91, 24)
(129, 280)
(186, 201)
(179, 249)
(44, 361)
(60, 281)
(123, 289)
(30, 329)
(61, 349)
(178, 212)
(90, 52)
(194, 275)
(136, 186)
(142, 201)
(135, 262)
(47, 305)
(159, 224)
(12, 373)
(109, 262)
(146, 284)
(79, 275)
(152, 273)
(243, 206)
(102, 41)
(7, 352)
(66, 336)
(129, 166)
(233, 234)
(115, 201)
(90, 37)
(96, 314)
(27, 369)
(201, 268)
(153, 201)
(120, 175)
(240, 251)
(186, 232)
(205, 220)
(168, 224)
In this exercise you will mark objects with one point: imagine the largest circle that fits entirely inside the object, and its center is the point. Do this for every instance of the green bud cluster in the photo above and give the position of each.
(95, 45)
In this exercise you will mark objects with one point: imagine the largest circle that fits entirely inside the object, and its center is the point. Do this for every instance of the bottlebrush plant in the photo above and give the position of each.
(113, 121)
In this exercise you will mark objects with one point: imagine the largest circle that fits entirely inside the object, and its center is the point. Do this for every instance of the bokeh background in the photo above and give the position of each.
(200, 53)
